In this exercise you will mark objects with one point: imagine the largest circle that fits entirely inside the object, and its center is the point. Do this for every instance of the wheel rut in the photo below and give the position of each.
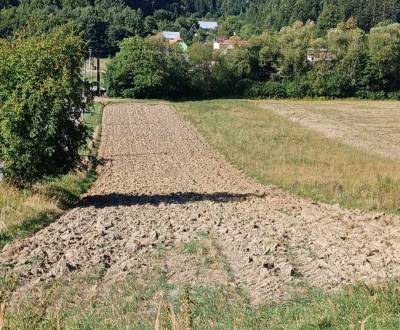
(160, 186)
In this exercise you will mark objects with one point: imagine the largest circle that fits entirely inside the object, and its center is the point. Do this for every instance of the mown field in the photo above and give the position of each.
(297, 154)
(23, 212)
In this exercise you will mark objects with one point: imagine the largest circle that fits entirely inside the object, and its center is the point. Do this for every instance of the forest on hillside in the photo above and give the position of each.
(105, 23)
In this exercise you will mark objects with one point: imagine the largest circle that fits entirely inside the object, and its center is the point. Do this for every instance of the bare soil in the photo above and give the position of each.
(161, 187)
(370, 125)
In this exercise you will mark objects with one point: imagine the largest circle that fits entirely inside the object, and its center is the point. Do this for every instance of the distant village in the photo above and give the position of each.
(222, 44)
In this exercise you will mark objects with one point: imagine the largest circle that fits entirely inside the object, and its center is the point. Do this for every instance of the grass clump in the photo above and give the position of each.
(191, 247)
(23, 212)
(152, 302)
(276, 151)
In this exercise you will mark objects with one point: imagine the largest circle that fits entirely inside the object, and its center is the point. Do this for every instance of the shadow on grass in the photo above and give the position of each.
(114, 199)
(68, 193)
(28, 227)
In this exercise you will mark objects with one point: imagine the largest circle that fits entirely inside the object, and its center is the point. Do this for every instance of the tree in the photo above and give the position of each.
(328, 18)
(42, 98)
(294, 42)
(144, 68)
(349, 44)
(384, 57)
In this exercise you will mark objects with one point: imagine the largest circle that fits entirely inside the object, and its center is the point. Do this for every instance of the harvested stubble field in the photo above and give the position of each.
(171, 233)
(373, 126)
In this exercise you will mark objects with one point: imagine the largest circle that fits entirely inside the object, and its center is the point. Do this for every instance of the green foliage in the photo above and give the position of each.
(295, 62)
(146, 68)
(106, 22)
(384, 50)
(42, 98)
(206, 66)
(294, 43)
(327, 13)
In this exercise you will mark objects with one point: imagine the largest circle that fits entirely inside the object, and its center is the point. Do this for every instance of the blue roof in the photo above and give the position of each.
(171, 35)
(208, 25)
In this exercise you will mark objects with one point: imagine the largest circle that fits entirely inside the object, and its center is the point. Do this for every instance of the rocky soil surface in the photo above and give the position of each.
(160, 187)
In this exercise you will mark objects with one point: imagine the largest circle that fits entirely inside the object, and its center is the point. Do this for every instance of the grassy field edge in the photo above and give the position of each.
(24, 212)
(273, 150)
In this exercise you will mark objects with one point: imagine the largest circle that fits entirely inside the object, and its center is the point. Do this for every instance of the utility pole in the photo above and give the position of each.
(98, 74)
(91, 64)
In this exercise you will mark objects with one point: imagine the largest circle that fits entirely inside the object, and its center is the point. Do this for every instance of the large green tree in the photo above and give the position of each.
(384, 57)
(42, 98)
(147, 68)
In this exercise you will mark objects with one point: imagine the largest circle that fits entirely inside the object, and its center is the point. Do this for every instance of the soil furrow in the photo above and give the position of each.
(161, 186)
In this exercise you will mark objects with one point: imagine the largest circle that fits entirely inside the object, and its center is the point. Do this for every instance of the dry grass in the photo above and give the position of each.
(23, 212)
(275, 150)
(373, 126)
(151, 302)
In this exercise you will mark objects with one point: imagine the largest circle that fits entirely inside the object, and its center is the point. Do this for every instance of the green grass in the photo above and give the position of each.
(24, 212)
(81, 303)
(191, 247)
(274, 150)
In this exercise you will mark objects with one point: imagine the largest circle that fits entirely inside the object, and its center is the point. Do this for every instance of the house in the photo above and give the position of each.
(321, 54)
(224, 44)
(170, 35)
(208, 25)
(172, 38)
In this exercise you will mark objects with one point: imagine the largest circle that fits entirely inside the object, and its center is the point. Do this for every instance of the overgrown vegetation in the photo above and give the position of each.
(23, 212)
(152, 302)
(42, 98)
(274, 150)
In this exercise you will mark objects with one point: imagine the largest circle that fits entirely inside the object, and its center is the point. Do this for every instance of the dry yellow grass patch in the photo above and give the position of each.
(373, 126)
(17, 206)
(304, 161)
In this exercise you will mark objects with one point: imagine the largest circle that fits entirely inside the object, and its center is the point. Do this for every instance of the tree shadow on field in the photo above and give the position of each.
(115, 199)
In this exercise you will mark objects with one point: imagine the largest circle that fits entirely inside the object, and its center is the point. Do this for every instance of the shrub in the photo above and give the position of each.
(298, 88)
(269, 89)
(42, 98)
(146, 68)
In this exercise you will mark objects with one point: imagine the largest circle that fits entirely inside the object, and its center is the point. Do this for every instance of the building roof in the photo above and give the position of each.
(170, 35)
(208, 25)
(233, 42)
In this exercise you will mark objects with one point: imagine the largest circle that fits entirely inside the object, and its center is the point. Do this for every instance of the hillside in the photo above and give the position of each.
(104, 23)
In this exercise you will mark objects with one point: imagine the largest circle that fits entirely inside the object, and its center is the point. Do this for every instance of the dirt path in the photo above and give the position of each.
(160, 186)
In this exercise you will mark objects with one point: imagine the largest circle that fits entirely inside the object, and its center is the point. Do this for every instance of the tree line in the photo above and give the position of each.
(293, 62)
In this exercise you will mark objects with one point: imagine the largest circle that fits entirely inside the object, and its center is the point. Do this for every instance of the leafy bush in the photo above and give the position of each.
(146, 68)
(269, 89)
(371, 95)
(298, 88)
(42, 98)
